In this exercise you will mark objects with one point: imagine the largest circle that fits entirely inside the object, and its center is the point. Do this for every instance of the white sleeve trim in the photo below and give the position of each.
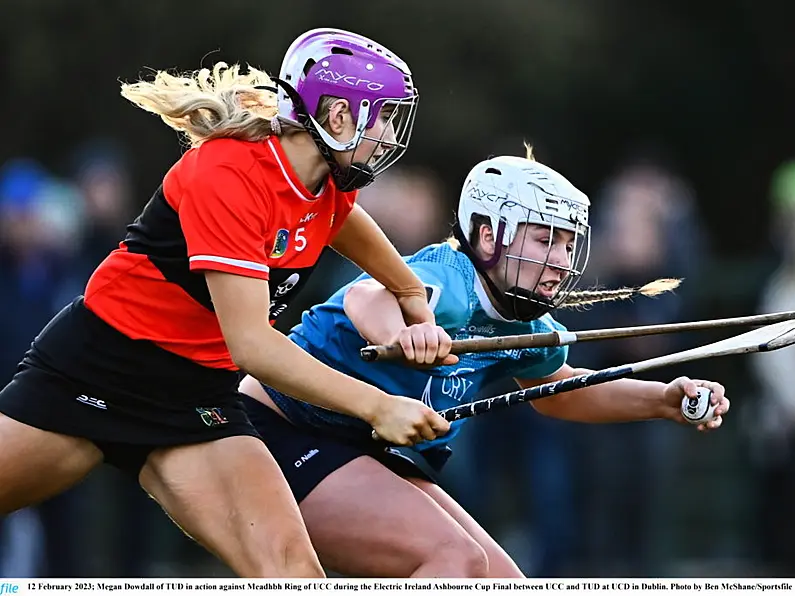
(227, 261)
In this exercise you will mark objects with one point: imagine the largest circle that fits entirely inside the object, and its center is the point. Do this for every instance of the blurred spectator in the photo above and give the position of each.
(409, 205)
(40, 224)
(101, 173)
(644, 227)
(772, 426)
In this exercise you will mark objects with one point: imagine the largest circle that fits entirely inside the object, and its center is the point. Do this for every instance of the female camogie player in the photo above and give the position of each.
(142, 372)
(522, 241)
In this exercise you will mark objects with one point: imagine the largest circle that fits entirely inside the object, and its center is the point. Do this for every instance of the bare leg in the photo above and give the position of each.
(231, 497)
(500, 564)
(37, 464)
(365, 521)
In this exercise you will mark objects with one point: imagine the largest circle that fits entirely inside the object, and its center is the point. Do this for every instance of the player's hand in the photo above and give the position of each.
(683, 386)
(425, 344)
(406, 421)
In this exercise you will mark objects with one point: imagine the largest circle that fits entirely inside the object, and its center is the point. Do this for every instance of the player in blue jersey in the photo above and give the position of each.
(522, 242)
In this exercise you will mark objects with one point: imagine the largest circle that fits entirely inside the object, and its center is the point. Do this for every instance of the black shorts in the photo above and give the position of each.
(306, 456)
(81, 377)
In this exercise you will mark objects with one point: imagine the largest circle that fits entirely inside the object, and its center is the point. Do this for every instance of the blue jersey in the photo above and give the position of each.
(462, 308)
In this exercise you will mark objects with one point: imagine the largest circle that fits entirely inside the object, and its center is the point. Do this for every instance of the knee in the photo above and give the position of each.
(474, 561)
(295, 569)
(305, 569)
(461, 557)
(299, 559)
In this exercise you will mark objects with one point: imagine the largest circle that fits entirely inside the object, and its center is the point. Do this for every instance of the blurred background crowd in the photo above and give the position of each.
(674, 116)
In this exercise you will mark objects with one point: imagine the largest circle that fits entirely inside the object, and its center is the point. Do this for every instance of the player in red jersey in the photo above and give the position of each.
(142, 371)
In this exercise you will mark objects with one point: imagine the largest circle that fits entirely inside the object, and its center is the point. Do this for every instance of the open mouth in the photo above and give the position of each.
(547, 288)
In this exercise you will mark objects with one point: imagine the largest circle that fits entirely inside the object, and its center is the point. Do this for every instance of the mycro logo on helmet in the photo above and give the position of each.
(578, 213)
(479, 194)
(331, 76)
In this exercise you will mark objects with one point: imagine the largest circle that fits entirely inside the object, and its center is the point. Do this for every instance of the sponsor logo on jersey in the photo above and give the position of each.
(451, 386)
(479, 330)
(307, 218)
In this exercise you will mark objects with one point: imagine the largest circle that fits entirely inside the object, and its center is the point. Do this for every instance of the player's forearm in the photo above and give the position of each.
(276, 361)
(624, 400)
(374, 311)
(362, 241)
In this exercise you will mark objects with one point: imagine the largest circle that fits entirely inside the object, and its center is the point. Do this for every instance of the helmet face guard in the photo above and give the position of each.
(334, 63)
(394, 139)
(525, 302)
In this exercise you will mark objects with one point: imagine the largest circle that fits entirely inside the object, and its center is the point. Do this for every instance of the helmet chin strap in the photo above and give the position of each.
(520, 304)
(528, 305)
(357, 175)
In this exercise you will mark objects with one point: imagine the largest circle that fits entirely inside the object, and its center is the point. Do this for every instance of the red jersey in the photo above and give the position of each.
(227, 205)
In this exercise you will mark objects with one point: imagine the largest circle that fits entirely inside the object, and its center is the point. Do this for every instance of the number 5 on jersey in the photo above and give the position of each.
(282, 240)
(300, 240)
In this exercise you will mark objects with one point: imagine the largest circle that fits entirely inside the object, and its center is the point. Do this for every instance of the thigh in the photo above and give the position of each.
(500, 563)
(230, 496)
(36, 464)
(365, 521)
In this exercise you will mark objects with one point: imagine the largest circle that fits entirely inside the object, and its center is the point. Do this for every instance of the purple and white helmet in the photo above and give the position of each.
(336, 63)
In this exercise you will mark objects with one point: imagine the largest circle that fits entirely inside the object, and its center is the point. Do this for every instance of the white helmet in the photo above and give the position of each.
(510, 191)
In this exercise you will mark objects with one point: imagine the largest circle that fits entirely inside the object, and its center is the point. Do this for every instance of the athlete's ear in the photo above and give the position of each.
(486, 242)
(339, 115)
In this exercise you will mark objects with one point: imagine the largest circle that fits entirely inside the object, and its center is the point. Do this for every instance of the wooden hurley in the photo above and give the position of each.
(564, 338)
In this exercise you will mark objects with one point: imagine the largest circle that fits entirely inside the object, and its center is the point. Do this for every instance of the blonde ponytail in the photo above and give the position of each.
(588, 297)
(209, 104)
